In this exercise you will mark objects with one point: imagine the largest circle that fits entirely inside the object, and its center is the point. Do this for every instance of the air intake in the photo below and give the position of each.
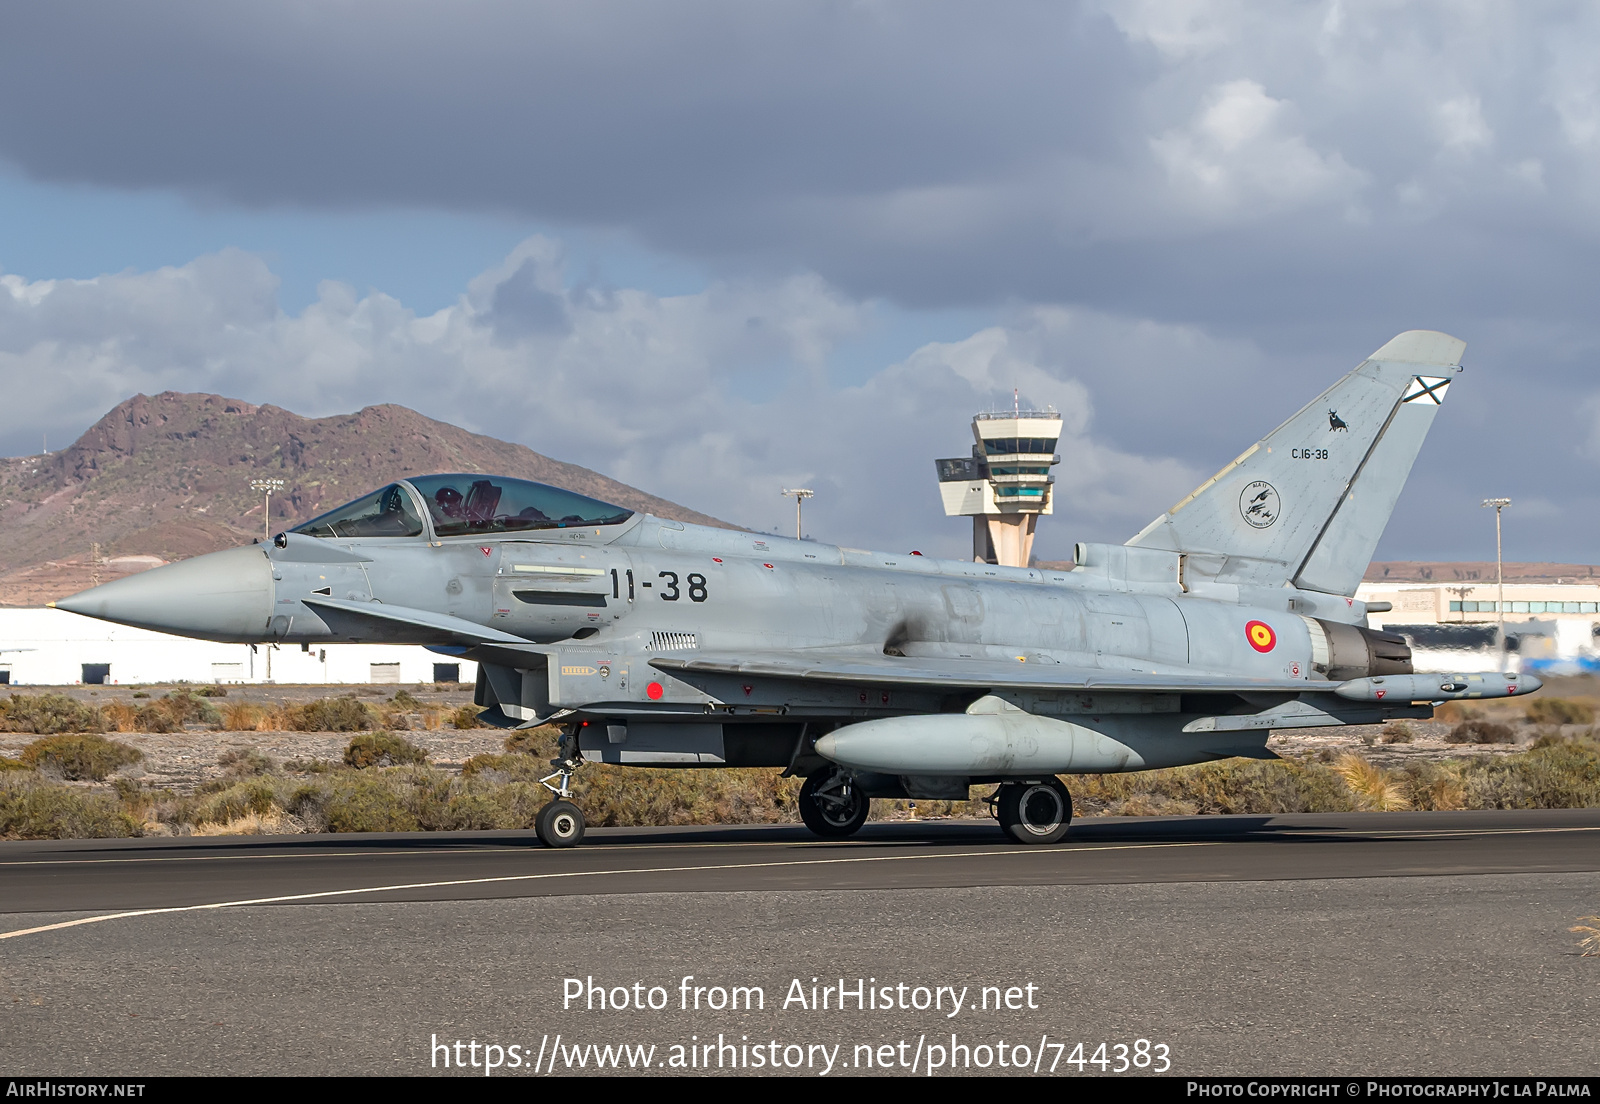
(672, 641)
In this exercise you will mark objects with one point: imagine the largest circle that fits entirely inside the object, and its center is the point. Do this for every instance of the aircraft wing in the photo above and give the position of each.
(380, 622)
(834, 667)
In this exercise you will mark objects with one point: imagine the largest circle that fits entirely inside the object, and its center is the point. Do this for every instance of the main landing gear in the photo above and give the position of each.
(1034, 812)
(832, 805)
(560, 823)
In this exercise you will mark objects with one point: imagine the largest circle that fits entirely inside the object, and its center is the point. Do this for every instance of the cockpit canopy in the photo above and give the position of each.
(461, 505)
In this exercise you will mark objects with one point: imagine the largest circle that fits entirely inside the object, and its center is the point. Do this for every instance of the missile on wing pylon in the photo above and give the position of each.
(1436, 687)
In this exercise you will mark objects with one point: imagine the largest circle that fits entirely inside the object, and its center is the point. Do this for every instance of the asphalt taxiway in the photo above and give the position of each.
(1339, 943)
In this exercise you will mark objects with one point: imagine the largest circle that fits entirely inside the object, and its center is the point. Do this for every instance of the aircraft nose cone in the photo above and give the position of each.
(220, 596)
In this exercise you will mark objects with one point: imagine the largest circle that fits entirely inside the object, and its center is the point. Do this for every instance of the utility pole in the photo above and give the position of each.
(799, 494)
(266, 487)
(1499, 572)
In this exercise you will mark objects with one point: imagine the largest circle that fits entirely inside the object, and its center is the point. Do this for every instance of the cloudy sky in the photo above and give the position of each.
(716, 249)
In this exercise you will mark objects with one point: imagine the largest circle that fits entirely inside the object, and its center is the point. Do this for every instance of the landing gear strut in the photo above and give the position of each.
(1034, 812)
(832, 805)
(560, 823)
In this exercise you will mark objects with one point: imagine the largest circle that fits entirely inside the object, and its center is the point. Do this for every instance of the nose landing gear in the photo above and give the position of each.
(1034, 812)
(560, 823)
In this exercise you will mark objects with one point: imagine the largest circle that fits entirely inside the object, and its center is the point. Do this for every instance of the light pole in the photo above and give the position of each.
(1499, 572)
(266, 487)
(799, 494)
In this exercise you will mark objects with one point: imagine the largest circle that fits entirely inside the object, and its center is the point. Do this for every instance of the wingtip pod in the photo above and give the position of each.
(1423, 347)
(1437, 687)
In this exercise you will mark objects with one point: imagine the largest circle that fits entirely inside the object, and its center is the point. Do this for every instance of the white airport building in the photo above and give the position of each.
(1549, 626)
(50, 647)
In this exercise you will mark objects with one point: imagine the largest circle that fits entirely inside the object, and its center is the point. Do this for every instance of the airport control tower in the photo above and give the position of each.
(1005, 485)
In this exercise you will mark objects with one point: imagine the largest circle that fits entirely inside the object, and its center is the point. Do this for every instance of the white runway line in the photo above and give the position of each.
(1358, 836)
(573, 874)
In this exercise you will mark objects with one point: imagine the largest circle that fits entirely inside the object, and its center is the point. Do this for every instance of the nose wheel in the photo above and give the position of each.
(1034, 812)
(560, 822)
(832, 805)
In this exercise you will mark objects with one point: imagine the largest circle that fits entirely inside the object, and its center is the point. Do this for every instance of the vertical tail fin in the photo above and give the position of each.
(1306, 505)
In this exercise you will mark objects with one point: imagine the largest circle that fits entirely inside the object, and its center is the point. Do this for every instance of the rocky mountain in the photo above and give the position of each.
(168, 476)
(1480, 573)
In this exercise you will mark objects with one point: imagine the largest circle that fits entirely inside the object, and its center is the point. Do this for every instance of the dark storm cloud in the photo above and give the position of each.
(1182, 161)
(634, 114)
(1292, 186)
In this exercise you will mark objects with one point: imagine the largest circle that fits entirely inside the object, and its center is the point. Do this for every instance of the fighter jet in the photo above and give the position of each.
(654, 643)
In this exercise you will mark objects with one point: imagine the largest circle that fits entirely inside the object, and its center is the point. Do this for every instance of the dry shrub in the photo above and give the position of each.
(382, 749)
(1455, 713)
(1590, 943)
(119, 716)
(1228, 786)
(1481, 732)
(624, 797)
(31, 808)
(432, 718)
(272, 823)
(9, 764)
(1558, 711)
(467, 717)
(1373, 787)
(79, 756)
(395, 719)
(48, 714)
(405, 700)
(1564, 775)
(543, 741)
(368, 804)
(250, 795)
(244, 762)
(185, 706)
(344, 714)
(1435, 786)
(242, 716)
(1146, 804)
(1397, 732)
(122, 717)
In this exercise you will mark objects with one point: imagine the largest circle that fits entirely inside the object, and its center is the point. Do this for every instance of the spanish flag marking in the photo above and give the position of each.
(1260, 636)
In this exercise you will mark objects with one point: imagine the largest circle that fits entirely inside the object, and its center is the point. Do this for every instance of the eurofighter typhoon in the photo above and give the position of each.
(653, 643)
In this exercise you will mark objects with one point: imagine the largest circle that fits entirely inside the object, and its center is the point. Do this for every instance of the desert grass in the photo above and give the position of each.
(79, 756)
(466, 716)
(1480, 732)
(1397, 732)
(1372, 786)
(1590, 943)
(385, 784)
(1558, 711)
(48, 714)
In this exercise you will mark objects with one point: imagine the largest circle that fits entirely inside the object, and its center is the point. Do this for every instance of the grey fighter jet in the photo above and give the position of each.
(658, 644)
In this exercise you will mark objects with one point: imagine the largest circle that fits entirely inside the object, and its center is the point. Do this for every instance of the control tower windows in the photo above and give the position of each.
(1014, 446)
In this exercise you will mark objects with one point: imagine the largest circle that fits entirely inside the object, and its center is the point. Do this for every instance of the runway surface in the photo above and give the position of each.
(1340, 943)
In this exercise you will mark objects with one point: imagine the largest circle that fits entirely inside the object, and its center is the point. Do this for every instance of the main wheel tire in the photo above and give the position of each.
(832, 805)
(1035, 812)
(559, 824)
